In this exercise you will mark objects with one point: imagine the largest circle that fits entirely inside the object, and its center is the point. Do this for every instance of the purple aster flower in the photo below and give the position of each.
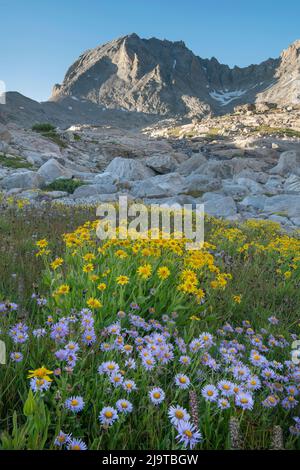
(210, 392)
(226, 388)
(74, 404)
(271, 401)
(124, 406)
(62, 439)
(188, 434)
(61, 354)
(223, 403)
(16, 356)
(116, 379)
(273, 320)
(244, 400)
(289, 402)
(185, 360)
(156, 395)
(182, 381)
(39, 385)
(178, 414)
(108, 416)
(129, 386)
(76, 444)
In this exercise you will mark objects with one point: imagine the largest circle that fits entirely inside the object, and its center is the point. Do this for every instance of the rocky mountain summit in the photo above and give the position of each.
(150, 120)
(132, 82)
(165, 78)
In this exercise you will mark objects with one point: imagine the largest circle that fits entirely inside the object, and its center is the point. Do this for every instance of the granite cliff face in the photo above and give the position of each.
(285, 88)
(165, 78)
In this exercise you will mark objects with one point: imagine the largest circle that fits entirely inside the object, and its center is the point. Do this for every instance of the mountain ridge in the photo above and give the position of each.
(162, 77)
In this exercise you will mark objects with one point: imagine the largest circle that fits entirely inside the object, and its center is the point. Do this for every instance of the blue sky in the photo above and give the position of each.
(39, 39)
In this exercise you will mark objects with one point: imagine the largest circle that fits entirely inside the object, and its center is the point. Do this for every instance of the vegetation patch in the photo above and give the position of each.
(64, 184)
(143, 344)
(279, 131)
(49, 131)
(15, 162)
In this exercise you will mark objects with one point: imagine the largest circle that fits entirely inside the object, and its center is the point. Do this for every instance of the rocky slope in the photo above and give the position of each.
(240, 166)
(166, 78)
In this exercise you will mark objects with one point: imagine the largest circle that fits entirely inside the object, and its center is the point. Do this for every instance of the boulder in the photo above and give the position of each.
(289, 162)
(192, 164)
(3, 172)
(196, 185)
(88, 190)
(285, 204)
(296, 221)
(257, 176)
(24, 180)
(274, 183)
(104, 178)
(179, 201)
(4, 147)
(227, 169)
(292, 184)
(211, 195)
(162, 163)
(5, 135)
(160, 186)
(38, 159)
(129, 168)
(257, 202)
(220, 206)
(234, 190)
(51, 170)
(252, 186)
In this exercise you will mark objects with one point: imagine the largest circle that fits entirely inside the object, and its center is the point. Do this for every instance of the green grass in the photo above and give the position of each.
(15, 162)
(49, 131)
(64, 184)
(256, 255)
(43, 127)
(280, 131)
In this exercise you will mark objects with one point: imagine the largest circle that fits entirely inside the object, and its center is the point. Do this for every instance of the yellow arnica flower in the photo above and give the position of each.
(87, 268)
(121, 254)
(101, 286)
(145, 271)
(163, 272)
(122, 280)
(56, 263)
(94, 303)
(237, 299)
(63, 289)
(89, 257)
(41, 373)
(195, 318)
(42, 252)
(42, 243)
(94, 277)
(287, 274)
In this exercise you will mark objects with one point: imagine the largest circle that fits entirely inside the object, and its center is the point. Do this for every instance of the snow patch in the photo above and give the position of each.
(225, 97)
(174, 63)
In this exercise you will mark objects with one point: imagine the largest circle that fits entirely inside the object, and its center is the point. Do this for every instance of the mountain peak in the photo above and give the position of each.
(162, 77)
